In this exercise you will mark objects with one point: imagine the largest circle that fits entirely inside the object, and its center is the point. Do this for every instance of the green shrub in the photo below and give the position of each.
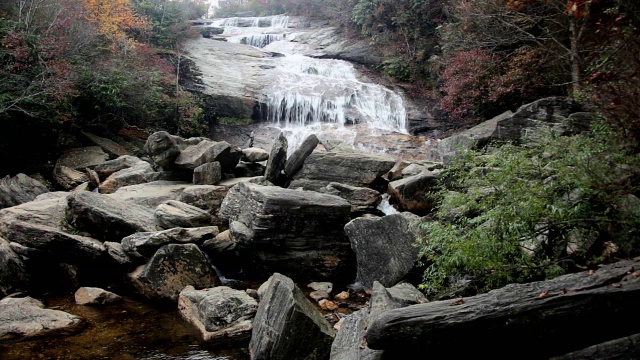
(522, 213)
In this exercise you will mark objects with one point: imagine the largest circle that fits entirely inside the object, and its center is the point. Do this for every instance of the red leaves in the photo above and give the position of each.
(543, 295)
(457, 302)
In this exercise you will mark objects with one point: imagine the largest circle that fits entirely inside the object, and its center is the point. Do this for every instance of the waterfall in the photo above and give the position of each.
(259, 40)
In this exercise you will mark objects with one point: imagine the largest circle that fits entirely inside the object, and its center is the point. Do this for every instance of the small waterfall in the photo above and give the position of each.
(386, 207)
(259, 40)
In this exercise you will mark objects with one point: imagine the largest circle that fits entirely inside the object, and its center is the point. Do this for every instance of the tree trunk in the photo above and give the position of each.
(575, 58)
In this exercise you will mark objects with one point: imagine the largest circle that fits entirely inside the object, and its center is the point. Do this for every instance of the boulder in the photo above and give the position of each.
(253, 155)
(295, 161)
(95, 296)
(208, 151)
(248, 170)
(82, 158)
(277, 159)
(385, 247)
(47, 209)
(220, 314)
(350, 168)
(358, 197)
(413, 193)
(19, 189)
(162, 148)
(138, 173)
(287, 326)
(207, 174)
(298, 233)
(221, 244)
(51, 242)
(68, 178)
(174, 213)
(627, 347)
(574, 304)
(145, 244)
(108, 219)
(116, 252)
(151, 194)
(171, 268)
(107, 145)
(107, 168)
(94, 178)
(25, 318)
(206, 197)
(13, 273)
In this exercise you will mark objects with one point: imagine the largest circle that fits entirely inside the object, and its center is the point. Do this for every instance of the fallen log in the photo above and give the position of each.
(524, 321)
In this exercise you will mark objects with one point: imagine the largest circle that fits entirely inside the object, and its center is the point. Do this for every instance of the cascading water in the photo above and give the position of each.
(257, 31)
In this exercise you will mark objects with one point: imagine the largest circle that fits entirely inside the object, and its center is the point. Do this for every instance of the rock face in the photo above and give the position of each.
(277, 159)
(24, 318)
(350, 168)
(208, 151)
(138, 173)
(163, 148)
(298, 233)
(207, 174)
(13, 273)
(82, 158)
(108, 219)
(573, 304)
(295, 161)
(384, 248)
(412, 193)
(221, 314)
(19, 189)
(107, 168)
(172, 268)
(178, 214)
(145, 244)
(624, 348)
(287, 326)
(95, 296)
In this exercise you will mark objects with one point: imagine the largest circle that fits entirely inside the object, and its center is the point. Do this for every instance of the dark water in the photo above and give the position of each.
(125, 331)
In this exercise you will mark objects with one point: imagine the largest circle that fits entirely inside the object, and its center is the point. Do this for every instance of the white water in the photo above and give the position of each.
(310, 95)
(386, 207)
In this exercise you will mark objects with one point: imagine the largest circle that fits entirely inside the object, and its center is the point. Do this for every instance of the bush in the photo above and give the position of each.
(522, 213)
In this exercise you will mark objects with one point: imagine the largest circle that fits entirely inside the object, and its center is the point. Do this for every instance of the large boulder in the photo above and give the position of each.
(358, 197)
(138, 173)
(253, 155)
(82, 158)
(13, 273)
(413, 193)
(95, 296)
(295, 161)
(174, 213)
(19, 189)
(107, 168)
(145, 244)
(47, 209)
(25, 318)
(205, 197)
(298, 233)
(108, 219)
(277, 159)
(220, 314)
(207, 174)
(151, 194)
(171, 269)
(207, 151)
(546, 311)
(385, 247)
(350, 168)
(162, 148)
(287, 326)
(67, 177)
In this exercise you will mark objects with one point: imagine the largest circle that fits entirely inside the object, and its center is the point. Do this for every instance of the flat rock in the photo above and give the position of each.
(95, 296)
(171, 269)
(82, 158)
(220, 314)
(19, 189)
(138, 173)
(174, 213)
(151, 194)
(144, 244)
(253, 155)
(287, 326)
(24, 318)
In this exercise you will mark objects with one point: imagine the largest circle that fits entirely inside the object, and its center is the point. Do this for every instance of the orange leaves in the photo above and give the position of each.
(114, 19)
(575, 8)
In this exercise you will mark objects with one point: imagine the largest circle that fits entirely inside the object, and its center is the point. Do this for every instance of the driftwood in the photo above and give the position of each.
(523, 321)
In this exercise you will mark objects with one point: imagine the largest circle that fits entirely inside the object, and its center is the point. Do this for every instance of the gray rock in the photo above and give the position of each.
(295, 161)
(116, 252)
(413, 193)
(25, 318)
(106, 218)
(163, 148)
(207, 174)
(94, 178)
(208, 151)
(48, 209)
(321, 286)
(570, 304)
(308, 185)
(174, 213)
(171, 269)
(248, 170)
(220, 314)
(298, 233)
(627, 347)
(138, 173)
(206, 197)
(385, 248)
(82, 158)
(95, 296)
(358, 197)
(107, 168)
(277, 159)
(144, 244)
(288, 326)
(253, 155)
(107, 145)
(13, 273)
(151, 194)
(67, 177)
(53, 242)
(222, 243)
(406, 294)
(19, 189)
(350, 168)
